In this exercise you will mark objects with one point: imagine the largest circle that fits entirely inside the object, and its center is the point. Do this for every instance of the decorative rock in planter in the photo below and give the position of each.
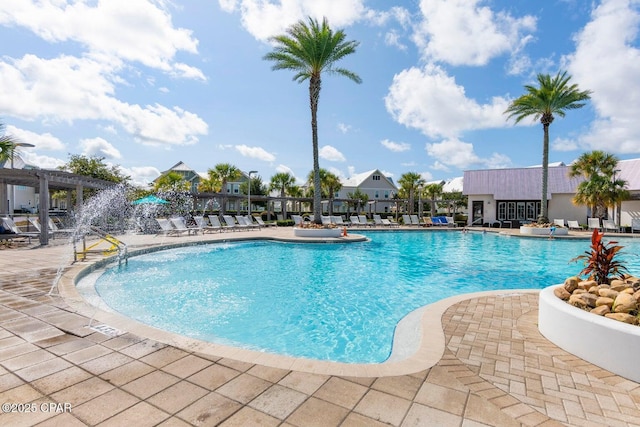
(317, 232)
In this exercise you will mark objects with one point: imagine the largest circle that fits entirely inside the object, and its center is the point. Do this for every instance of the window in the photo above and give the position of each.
(502, 211)
(376, 177)
(376, 195)
(531, 211)
(386, 194)
(511, 210)
(520, 211)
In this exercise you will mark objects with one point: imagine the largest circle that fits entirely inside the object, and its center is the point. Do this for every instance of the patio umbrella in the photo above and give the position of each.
(150, 200)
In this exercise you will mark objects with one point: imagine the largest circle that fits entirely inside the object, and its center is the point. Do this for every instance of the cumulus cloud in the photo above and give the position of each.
(44, 141)
(398, 147)
(331, 153)
(69, 88)
(461, 155)
(99, 147)
(462, 32)
(344, 128)
(132, 30)
(266, 18)
(606, 63)
(141, 176)
(255, 153)
(431, 101)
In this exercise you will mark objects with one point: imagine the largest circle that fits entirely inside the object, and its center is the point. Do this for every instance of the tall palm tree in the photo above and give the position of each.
(309, 49)
(358, 198)
(409, 183)
(553, 96)
(221, 174)
(282, 182)
(600, 189)
(171, 181)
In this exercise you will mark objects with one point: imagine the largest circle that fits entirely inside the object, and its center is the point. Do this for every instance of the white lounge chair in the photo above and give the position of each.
(609, 225)
(166, 228)
(573, 225)
(326, 220)
(415, 220)
(244, 220)
(355, 221)
(201, 222)
(406, 220)
(635, 225)
(297, 219)
(593, 223)
(450, 221)
(264, 224)
(337, 220)
(215, 222)
(364, 221)
(377, 220)
(15, 231)
(180, 224)
(559, 222)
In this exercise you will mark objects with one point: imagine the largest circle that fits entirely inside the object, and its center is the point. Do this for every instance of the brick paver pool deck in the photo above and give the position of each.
(495, 369)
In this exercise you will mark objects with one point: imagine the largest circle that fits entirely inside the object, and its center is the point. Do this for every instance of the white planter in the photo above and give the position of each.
(538, 231)
(607, 343)
(317, 232)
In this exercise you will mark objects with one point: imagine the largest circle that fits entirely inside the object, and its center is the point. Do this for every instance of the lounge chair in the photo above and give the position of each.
(559, 222)
(201, 222)
(364, 221)
(573, 225)
(427, 222)
(246, 221)
(167, 228)
(355, 221)
(35, 223)
(450, 221)
(415, 220)
(180, 224)
(635, 224)
(14, 231)
(593, 223)
(326, 220)
(264, 224)
(609, 225)
(297, 219)
(439, 221)
(337, 220)
(377, 220)
(215, 222)
(406, 220)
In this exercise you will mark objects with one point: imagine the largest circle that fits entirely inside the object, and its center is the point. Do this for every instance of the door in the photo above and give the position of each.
(478, 212)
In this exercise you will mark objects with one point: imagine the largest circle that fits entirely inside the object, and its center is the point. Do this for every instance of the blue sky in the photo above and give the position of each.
(148, 83)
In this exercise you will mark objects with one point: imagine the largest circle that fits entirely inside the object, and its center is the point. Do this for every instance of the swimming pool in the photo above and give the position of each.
(327, 302)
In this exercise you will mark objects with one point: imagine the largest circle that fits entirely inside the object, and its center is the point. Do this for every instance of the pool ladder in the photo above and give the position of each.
(114, 246)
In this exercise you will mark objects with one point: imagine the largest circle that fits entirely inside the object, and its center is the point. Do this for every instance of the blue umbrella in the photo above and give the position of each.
(150, 200)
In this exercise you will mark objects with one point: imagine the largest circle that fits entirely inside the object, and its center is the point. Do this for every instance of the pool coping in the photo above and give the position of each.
(419, 340)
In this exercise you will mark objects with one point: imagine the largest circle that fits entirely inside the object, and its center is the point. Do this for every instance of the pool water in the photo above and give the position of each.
(328, 301)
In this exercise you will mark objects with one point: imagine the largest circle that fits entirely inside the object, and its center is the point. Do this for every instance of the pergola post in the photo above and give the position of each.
(43, 211)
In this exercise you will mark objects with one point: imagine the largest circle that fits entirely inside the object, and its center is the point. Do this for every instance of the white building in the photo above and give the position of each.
(380, 189)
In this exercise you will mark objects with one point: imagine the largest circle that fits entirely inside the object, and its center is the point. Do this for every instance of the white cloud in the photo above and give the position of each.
(142, 175)
(462, 32)
(563, 144)
(392, 38)
(99, 147)
(606, 63)
(331, 153)
(44, 162)
(266, 18)
(69, 88)
(132, 30)
(44, 141)
(427, 176)
(387, 173)
(430, 100)
(344, 128)
(255, 153)
(398, 147)
(459, 154)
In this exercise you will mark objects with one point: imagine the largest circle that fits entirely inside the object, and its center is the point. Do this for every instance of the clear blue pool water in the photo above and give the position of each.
(327, 301)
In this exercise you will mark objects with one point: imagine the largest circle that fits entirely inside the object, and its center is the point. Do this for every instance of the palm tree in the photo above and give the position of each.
(600, 189)
(220, 175)
(358, 198)
(8, 145)
(433, 191)
(553, 96)
(409, 183)
(171, 182)
(282, 182)
(329, 185)
(308, 49)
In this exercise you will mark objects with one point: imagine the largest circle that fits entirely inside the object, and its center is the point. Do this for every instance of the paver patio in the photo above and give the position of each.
(496, 370)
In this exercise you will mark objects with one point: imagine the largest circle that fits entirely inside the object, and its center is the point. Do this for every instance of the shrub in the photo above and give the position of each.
(600, 261)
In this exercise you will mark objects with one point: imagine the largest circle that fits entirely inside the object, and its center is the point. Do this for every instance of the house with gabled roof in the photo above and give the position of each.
(380, 189)
(513, 195)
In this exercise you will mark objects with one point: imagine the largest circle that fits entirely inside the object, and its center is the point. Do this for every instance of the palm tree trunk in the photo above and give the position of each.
(544, 210)
(314, 95)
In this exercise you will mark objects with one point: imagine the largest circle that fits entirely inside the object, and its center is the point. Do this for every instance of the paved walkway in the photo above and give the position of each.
(496, 370)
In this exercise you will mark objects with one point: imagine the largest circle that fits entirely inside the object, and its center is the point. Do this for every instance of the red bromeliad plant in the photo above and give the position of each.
(600, 261)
